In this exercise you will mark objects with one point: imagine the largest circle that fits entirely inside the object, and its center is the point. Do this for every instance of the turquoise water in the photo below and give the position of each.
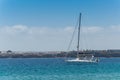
(57, 69)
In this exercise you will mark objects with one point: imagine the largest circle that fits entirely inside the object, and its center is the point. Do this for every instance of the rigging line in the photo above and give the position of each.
(73, 34)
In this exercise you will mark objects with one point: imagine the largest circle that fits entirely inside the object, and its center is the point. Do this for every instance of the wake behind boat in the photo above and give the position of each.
(88, 58)
(82, 57)
(81, 60)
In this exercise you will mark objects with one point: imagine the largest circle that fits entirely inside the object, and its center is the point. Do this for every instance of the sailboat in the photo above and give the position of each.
(82, 57)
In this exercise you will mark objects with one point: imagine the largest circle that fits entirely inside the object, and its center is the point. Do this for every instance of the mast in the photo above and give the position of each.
(79, 35)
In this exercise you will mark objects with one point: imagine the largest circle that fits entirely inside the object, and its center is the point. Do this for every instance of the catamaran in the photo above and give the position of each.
(82, 57)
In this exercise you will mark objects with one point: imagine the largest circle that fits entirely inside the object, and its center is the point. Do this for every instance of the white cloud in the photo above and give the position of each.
(11, 30)
(69, 29)
(21, 37)
(93, 29)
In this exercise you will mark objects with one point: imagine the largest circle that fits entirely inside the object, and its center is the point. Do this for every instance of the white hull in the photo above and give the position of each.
(82, 60)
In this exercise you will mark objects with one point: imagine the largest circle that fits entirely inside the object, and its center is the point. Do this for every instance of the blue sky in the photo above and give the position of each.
(59, 12)
(54, 15)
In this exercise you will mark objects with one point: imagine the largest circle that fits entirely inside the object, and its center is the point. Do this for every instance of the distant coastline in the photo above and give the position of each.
(55, 54)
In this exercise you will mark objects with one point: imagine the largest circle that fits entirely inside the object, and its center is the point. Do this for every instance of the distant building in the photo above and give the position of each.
(9, 51)
(114, 50)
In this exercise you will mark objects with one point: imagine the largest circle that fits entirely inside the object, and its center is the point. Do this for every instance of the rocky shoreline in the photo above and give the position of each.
(54, 54)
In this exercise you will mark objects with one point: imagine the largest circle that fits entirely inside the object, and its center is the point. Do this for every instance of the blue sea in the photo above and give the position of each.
(58, 69)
